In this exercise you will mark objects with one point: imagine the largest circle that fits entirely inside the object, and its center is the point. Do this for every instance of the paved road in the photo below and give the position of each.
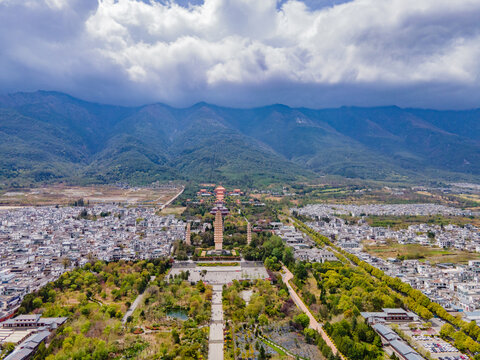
(287, 276)
(215, 342)
(135, 304)
(172, 199)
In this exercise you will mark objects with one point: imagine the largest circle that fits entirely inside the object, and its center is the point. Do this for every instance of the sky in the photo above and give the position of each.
(245, 53)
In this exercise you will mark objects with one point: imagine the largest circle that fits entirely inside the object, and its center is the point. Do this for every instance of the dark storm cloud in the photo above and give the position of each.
(316, 53)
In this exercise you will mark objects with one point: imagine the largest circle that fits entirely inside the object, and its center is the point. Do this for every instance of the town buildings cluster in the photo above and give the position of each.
(321, 210)
(304, 248)
(40, 243)
(350, 235)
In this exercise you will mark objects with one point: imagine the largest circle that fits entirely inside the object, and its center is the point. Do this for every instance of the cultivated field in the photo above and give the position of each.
(403, 222)
(62, 195)
(413, 251)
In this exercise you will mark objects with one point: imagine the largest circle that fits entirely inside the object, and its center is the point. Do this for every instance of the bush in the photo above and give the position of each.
(302, 319)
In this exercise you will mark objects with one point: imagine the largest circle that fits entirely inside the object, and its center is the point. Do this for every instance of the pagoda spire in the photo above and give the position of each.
(218, 231)
(188, 235)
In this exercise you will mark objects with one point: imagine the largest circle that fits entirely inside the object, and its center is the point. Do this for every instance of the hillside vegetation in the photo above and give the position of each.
(47, 136)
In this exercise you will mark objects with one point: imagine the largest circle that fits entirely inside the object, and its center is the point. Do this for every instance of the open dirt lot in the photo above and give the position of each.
(62, 195)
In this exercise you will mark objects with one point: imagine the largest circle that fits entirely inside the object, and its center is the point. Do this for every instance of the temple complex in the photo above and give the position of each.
(219, 206)
(219, 202)
(218, 231)
(220, 193)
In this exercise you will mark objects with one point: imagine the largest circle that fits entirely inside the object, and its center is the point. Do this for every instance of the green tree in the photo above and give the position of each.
(37, 303)
(288, 257)
(310, 335)
(300, 271)
(263, 320)
(201, 286)
(447, 330)
(302, 319)
(175, 336)
(262, 355)
(7, 348)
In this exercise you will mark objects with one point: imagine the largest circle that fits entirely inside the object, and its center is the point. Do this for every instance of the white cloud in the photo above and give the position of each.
(362, 52)
(57, 4)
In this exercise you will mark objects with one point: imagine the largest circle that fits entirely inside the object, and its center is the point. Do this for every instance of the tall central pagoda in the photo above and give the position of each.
(218, 231)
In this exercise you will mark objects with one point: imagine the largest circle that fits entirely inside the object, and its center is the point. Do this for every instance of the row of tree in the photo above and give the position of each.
(355, 339)
(412, 298)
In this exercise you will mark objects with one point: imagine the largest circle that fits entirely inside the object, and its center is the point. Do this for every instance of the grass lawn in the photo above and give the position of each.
(277, 349)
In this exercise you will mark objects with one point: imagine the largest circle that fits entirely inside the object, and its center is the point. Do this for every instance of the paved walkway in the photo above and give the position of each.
(286, 277)
(135, 304)
(215, 342)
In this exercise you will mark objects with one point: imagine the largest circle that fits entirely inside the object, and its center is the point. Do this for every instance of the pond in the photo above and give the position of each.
(178, 314)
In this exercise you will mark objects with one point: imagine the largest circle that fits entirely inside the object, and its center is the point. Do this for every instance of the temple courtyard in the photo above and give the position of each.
(215, 273)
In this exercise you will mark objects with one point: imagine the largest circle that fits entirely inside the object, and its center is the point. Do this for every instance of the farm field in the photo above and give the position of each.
(403, 222)
(423, 253)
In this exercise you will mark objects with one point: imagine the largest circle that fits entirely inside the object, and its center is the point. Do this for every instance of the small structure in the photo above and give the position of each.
(28, 332)
(33, 321)
(472, 316)
(389, 315)
(313, 254)
(204, 192)
(21, 354)
(29, 346)
(34, 341)
(23, 321)
(390, 338)
(236, 192)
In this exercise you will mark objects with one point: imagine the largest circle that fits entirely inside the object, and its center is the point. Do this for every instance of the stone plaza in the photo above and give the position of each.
(246, 270)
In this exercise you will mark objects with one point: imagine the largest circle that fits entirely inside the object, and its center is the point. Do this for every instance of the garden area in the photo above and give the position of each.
(173, 318)
(94, 298)
(336, 293)
(263, 322)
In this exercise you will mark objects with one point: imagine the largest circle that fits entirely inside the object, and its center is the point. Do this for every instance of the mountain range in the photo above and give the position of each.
(51, 136)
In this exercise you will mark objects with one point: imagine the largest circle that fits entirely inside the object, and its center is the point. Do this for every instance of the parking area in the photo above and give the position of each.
(438, 348)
